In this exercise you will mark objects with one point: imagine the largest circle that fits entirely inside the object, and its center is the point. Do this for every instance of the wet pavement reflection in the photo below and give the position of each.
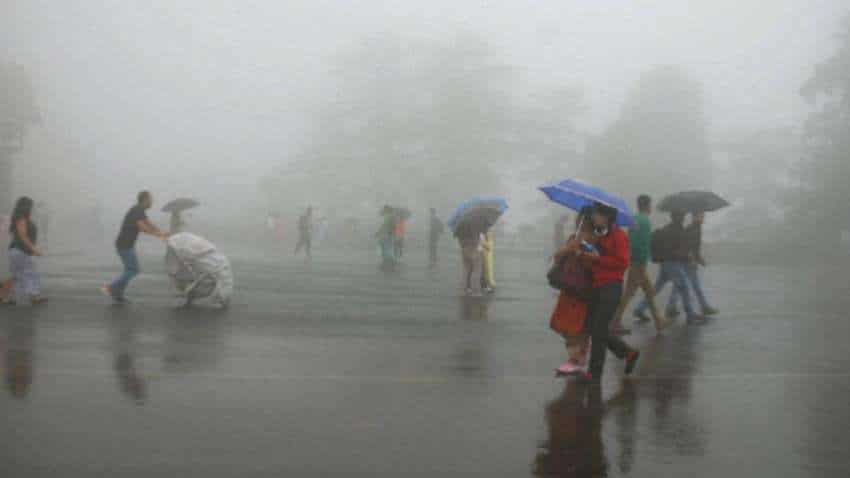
(339, 368)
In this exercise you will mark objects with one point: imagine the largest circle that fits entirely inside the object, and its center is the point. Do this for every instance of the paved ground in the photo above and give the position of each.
(337, 368)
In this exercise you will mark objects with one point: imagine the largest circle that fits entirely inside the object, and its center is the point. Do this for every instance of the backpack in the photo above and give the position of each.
(659, 245)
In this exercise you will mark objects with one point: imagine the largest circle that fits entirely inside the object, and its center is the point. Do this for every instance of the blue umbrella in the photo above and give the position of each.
(484, 210)
(576, 195)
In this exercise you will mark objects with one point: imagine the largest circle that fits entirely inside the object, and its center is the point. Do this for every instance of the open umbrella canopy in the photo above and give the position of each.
(180, 204)
(692, 201)
(480, 212)
(576, 195)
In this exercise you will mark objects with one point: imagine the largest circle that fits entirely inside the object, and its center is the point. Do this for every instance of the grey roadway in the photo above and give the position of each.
(338, 368)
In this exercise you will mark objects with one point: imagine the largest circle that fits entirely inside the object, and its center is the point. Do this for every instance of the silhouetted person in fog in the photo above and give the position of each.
(469, 239)
(673, 247)
(26, 280)
(435, 231)
(305, 232)
(693, 239)
(398, 236)
(135, 221)
(385, 236)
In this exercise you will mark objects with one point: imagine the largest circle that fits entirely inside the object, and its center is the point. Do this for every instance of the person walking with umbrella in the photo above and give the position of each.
(697, 203)
(608, 264)
(608, 267)
(135, 221)
(670, 249)
(469, 221)
(693, 239)
(305, 232)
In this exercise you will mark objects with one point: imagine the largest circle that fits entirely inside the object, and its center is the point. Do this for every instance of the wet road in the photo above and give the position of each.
(337, 368)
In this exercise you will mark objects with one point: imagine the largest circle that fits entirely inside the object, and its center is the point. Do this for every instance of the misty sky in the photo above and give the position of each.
(223, 88)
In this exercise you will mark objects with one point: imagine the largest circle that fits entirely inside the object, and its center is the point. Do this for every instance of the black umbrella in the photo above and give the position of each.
(180, 204)
(692, 201)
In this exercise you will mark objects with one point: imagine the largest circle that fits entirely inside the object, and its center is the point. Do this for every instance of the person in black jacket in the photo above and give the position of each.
(693, 236)
(676, 258)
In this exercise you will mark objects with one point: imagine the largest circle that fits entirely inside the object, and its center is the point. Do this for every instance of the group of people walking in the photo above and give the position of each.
(600, 268)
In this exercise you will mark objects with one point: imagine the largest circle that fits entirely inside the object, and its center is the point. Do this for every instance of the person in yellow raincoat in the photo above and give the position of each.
(488, 283)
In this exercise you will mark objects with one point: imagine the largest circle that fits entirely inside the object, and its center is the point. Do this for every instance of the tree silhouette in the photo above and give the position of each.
(658, 144)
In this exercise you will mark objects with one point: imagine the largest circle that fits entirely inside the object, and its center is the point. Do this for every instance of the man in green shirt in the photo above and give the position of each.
(640, 235)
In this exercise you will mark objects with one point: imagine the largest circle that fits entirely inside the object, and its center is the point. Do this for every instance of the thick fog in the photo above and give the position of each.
(261, 106)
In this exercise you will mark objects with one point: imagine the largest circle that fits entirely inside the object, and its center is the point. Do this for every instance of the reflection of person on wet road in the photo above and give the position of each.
(608, 267)
(130, 381)
(305, 232)
(18, 356)
(574, 446)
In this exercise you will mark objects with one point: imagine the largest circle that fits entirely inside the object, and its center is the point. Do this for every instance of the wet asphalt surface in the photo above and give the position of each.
(336, 368)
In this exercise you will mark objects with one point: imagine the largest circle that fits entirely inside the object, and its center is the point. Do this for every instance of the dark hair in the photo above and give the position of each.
(584, 215)
(605, 210)
(643, 202)
(23, 210)
(140, 198)
(677, 217)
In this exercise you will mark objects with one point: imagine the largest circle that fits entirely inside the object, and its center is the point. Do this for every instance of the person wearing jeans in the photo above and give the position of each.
(673, 266)
(135, 221)
(131, 269)
(675, 272)
(694, 239)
